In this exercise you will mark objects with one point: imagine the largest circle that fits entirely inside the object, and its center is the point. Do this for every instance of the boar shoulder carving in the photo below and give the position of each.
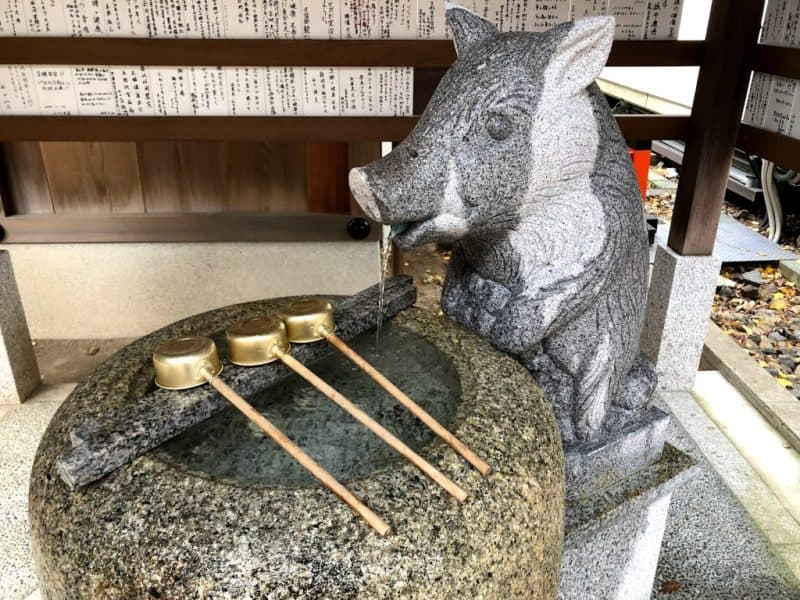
(519, 162)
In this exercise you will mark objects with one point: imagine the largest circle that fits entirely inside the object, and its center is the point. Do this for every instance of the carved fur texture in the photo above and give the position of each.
(519, 162)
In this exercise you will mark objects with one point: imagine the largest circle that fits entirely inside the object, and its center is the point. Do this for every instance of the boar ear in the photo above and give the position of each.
(581, 54)
(467, 27)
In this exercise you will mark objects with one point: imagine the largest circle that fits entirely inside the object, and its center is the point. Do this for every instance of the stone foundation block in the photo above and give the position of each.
(676, 318)
(612, 540)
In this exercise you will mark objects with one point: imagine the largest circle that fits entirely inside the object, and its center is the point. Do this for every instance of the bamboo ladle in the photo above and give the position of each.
(260, 340)
(311, 320)
(192, 361)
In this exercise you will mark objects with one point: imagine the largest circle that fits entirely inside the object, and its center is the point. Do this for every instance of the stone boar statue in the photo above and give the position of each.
(519, 162)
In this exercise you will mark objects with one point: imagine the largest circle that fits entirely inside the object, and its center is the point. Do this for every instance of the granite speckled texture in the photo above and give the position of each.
(676, 320)
(612, 540)
(19, 375)
(595, 467)
(152, 529)
(122, 431)
(519, 162)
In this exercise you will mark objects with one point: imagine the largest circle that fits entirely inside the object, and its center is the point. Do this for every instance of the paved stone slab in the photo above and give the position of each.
(712, 548)
(20, 431)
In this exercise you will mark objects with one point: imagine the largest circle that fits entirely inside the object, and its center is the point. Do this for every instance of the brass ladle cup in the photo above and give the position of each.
(260, 340)
(311, 320)
(192, 361)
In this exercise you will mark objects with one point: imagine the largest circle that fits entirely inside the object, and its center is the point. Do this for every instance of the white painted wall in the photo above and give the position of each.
(666, 90)
(127, 290)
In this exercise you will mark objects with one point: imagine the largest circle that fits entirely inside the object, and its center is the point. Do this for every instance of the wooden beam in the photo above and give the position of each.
(778, 148)
(656, 53)
(272, 129)
(711, 139)
(225, 52)
(224, 227)
(254, 129)
(5, 188)
(777, 60)
(299, 53)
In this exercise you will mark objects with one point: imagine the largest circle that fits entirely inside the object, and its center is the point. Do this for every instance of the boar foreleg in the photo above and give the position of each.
(531, 316)
(471, 300)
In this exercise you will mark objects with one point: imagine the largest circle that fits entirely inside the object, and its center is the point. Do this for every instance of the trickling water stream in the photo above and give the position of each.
(386, 255)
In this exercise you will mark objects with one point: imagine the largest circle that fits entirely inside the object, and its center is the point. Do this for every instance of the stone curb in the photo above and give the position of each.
(777, 405)
(790, 269)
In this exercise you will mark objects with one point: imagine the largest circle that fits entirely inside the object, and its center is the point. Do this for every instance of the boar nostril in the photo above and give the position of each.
(413, 153)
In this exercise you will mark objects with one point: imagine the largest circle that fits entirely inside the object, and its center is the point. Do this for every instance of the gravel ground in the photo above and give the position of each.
(763, 318)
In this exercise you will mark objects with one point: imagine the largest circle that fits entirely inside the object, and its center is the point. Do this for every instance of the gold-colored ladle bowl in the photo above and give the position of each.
(256, 341)
(307, 320)
(186, 362)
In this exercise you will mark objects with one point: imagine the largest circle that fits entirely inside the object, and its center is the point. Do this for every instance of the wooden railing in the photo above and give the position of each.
(430, 59)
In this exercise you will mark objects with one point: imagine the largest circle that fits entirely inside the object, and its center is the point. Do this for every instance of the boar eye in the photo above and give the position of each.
(499, 127)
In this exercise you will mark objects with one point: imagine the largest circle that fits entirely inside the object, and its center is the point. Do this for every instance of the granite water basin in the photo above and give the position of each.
(219, 512)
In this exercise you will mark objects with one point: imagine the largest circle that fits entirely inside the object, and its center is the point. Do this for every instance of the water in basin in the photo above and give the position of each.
(229, 446)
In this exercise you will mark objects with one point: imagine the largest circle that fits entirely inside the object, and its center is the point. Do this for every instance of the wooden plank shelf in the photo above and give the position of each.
(780, 149)
(777, 60)
(298, 53)
(191, 227)
(266, 129)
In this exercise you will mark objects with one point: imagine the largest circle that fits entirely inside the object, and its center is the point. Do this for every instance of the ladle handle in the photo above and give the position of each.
(412, 406)
(304, 459)
(373, 426)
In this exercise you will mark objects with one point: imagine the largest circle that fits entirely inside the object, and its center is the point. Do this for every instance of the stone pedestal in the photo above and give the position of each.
(676, 318)
(618, 493)
(595, 467)
(19, 375)
(612, 540)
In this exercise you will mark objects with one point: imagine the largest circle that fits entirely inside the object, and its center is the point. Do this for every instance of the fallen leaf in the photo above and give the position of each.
(668, 587)
(778, 304)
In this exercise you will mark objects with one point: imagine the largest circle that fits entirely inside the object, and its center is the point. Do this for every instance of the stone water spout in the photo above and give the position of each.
(519, 162)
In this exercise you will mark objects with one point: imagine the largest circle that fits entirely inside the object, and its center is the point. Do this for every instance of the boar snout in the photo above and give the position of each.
(363, 194)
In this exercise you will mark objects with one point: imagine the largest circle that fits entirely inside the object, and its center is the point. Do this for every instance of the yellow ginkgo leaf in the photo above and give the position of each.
(778, 301)
(784, 382)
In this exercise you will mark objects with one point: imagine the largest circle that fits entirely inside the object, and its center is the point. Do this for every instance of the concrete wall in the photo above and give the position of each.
(127, 290)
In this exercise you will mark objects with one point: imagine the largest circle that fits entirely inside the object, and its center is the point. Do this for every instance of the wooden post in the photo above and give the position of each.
(718, 103)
